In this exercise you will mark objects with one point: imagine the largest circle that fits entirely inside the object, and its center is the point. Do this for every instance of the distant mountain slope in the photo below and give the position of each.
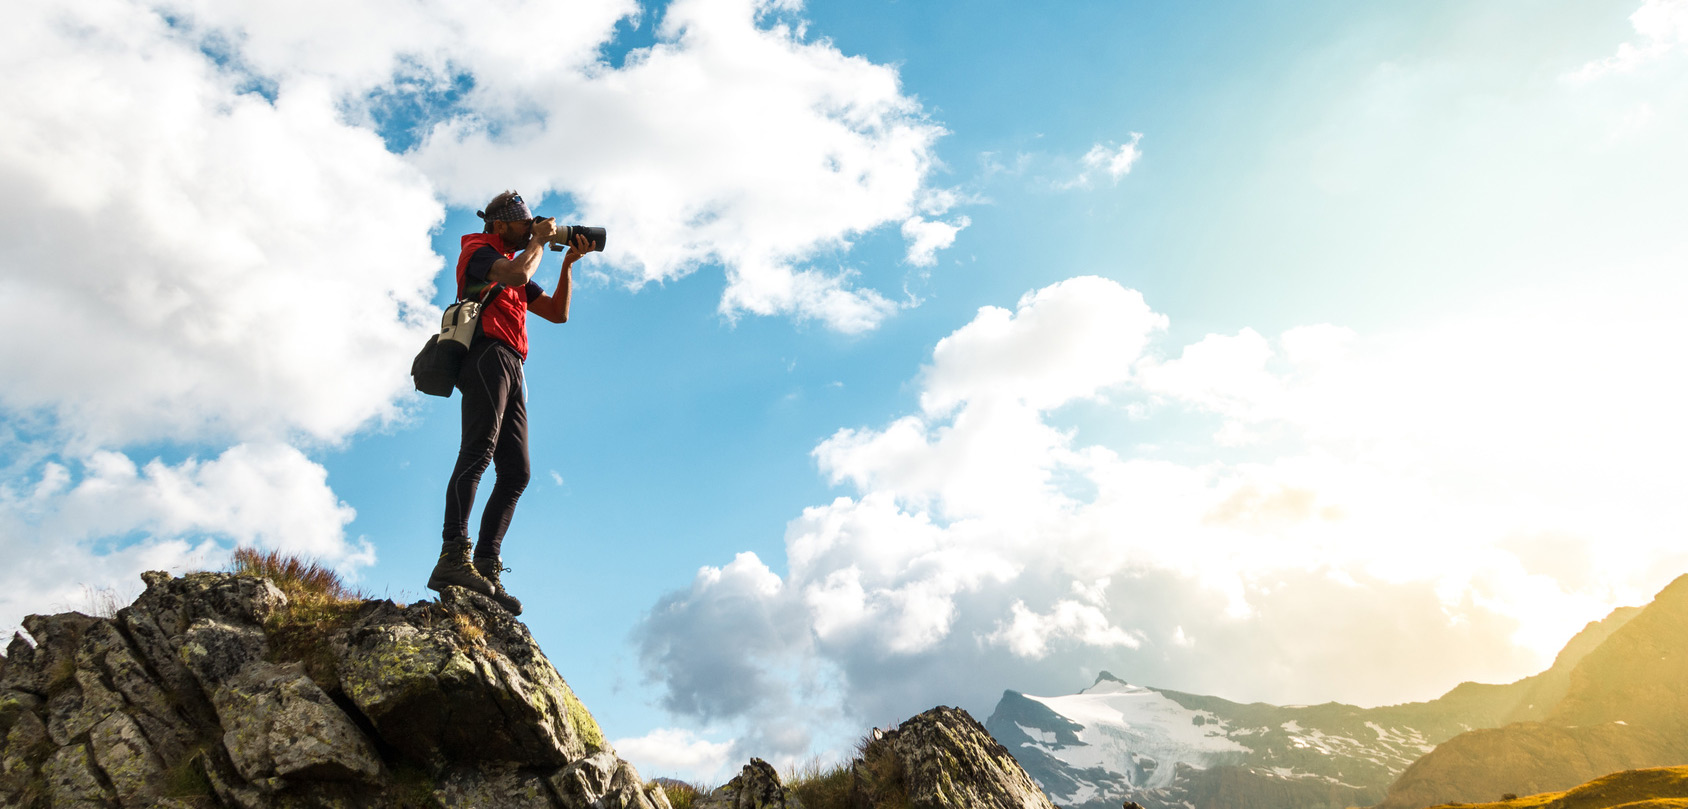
(1528, 758)
(1624, 706)
(1656, 788)
(1115, 742)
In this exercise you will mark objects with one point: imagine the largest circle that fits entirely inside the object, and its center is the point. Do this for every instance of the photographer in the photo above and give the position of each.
(503, 258)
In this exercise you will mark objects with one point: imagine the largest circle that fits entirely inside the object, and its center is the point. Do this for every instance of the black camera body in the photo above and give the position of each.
(564, 237)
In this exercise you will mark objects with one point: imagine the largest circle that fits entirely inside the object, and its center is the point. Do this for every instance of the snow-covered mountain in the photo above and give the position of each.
(1115, 741)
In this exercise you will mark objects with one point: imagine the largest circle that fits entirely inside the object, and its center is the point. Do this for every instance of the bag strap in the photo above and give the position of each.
(487, 295)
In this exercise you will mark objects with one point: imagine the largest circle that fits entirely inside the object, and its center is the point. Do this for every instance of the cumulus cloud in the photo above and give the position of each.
(1662, 27)
(676, 753)
(1342, 517)
(182, 245)
(728, 141)
(108, 519)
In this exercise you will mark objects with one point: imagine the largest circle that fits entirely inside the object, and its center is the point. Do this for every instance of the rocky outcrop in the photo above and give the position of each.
(945, 759)
(219, 690)
(757, 786)
(941, 759)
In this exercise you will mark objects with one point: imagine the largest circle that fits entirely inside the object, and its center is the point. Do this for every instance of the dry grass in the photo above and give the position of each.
(295, 576)
(682, 795)
(819, 786)
(1653, 788)
(468, 629)
(874, 778)
(318, 604)
(103, 602)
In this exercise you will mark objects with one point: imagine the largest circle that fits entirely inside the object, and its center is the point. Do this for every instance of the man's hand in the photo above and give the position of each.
(544, 227)
(580, 247)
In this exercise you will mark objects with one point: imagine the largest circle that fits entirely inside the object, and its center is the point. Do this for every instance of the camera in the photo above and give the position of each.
(563, 239)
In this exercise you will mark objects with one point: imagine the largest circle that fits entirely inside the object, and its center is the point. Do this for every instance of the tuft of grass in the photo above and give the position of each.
(469, 629)
(103, 602)
(682, 795)
(186, 778)
(295, 576)
(822, 786)
(318, 605)
(881, 781)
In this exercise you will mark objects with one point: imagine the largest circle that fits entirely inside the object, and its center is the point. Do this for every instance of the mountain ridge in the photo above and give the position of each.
(1255, 755)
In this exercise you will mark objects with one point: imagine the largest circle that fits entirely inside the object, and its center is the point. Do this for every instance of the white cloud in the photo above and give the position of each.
(727, 141)
(210, 244)
(1662, 26)
(927, 237)
(1374, 544)
(1066, 341)
(104, 523)
(1110, 161)
(187, 250)
(677, 753)
(1028, 633)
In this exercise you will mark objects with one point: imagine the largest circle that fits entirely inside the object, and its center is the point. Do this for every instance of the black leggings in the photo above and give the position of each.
(494, 431)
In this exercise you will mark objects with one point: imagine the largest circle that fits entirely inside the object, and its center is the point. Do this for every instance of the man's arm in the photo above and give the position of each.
(516, 272)
(555, 307)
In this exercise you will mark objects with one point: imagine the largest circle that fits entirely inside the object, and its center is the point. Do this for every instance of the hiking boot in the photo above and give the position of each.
(455, 570)
(490, 567)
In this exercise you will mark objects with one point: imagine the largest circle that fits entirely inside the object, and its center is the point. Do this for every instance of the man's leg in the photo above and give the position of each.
(510, 459)
(485, 386)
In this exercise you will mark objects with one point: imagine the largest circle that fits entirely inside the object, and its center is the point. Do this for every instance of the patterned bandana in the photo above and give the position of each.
(512, 210)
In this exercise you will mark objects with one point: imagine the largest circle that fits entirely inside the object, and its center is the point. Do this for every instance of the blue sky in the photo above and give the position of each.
(1284, 351)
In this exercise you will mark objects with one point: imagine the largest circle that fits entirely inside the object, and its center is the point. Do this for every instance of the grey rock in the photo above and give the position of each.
(279, 724)
(124, 755)
(191, 697)
(580, 784)
(13, 706)
(757, 786)
(72, 779)
(51, 664)
(944, 759)
(499, 785)
(420, 675)
(215, 651)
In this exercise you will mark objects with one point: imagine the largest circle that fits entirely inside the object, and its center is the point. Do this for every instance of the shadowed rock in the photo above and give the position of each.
(215, 690)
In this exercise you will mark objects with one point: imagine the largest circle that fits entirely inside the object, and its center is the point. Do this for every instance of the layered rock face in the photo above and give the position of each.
(211, 690)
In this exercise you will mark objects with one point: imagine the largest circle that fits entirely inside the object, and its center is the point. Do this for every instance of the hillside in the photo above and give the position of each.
(1623, 708)
(1115, 741)
(1655, 788)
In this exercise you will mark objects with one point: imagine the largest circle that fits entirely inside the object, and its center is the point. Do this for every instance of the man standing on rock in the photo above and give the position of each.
(494, 391)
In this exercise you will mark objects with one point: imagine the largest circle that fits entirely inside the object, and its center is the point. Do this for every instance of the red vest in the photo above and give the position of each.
(505, 316)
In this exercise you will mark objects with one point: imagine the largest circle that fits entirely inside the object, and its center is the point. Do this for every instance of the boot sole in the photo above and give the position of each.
(437, 586)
